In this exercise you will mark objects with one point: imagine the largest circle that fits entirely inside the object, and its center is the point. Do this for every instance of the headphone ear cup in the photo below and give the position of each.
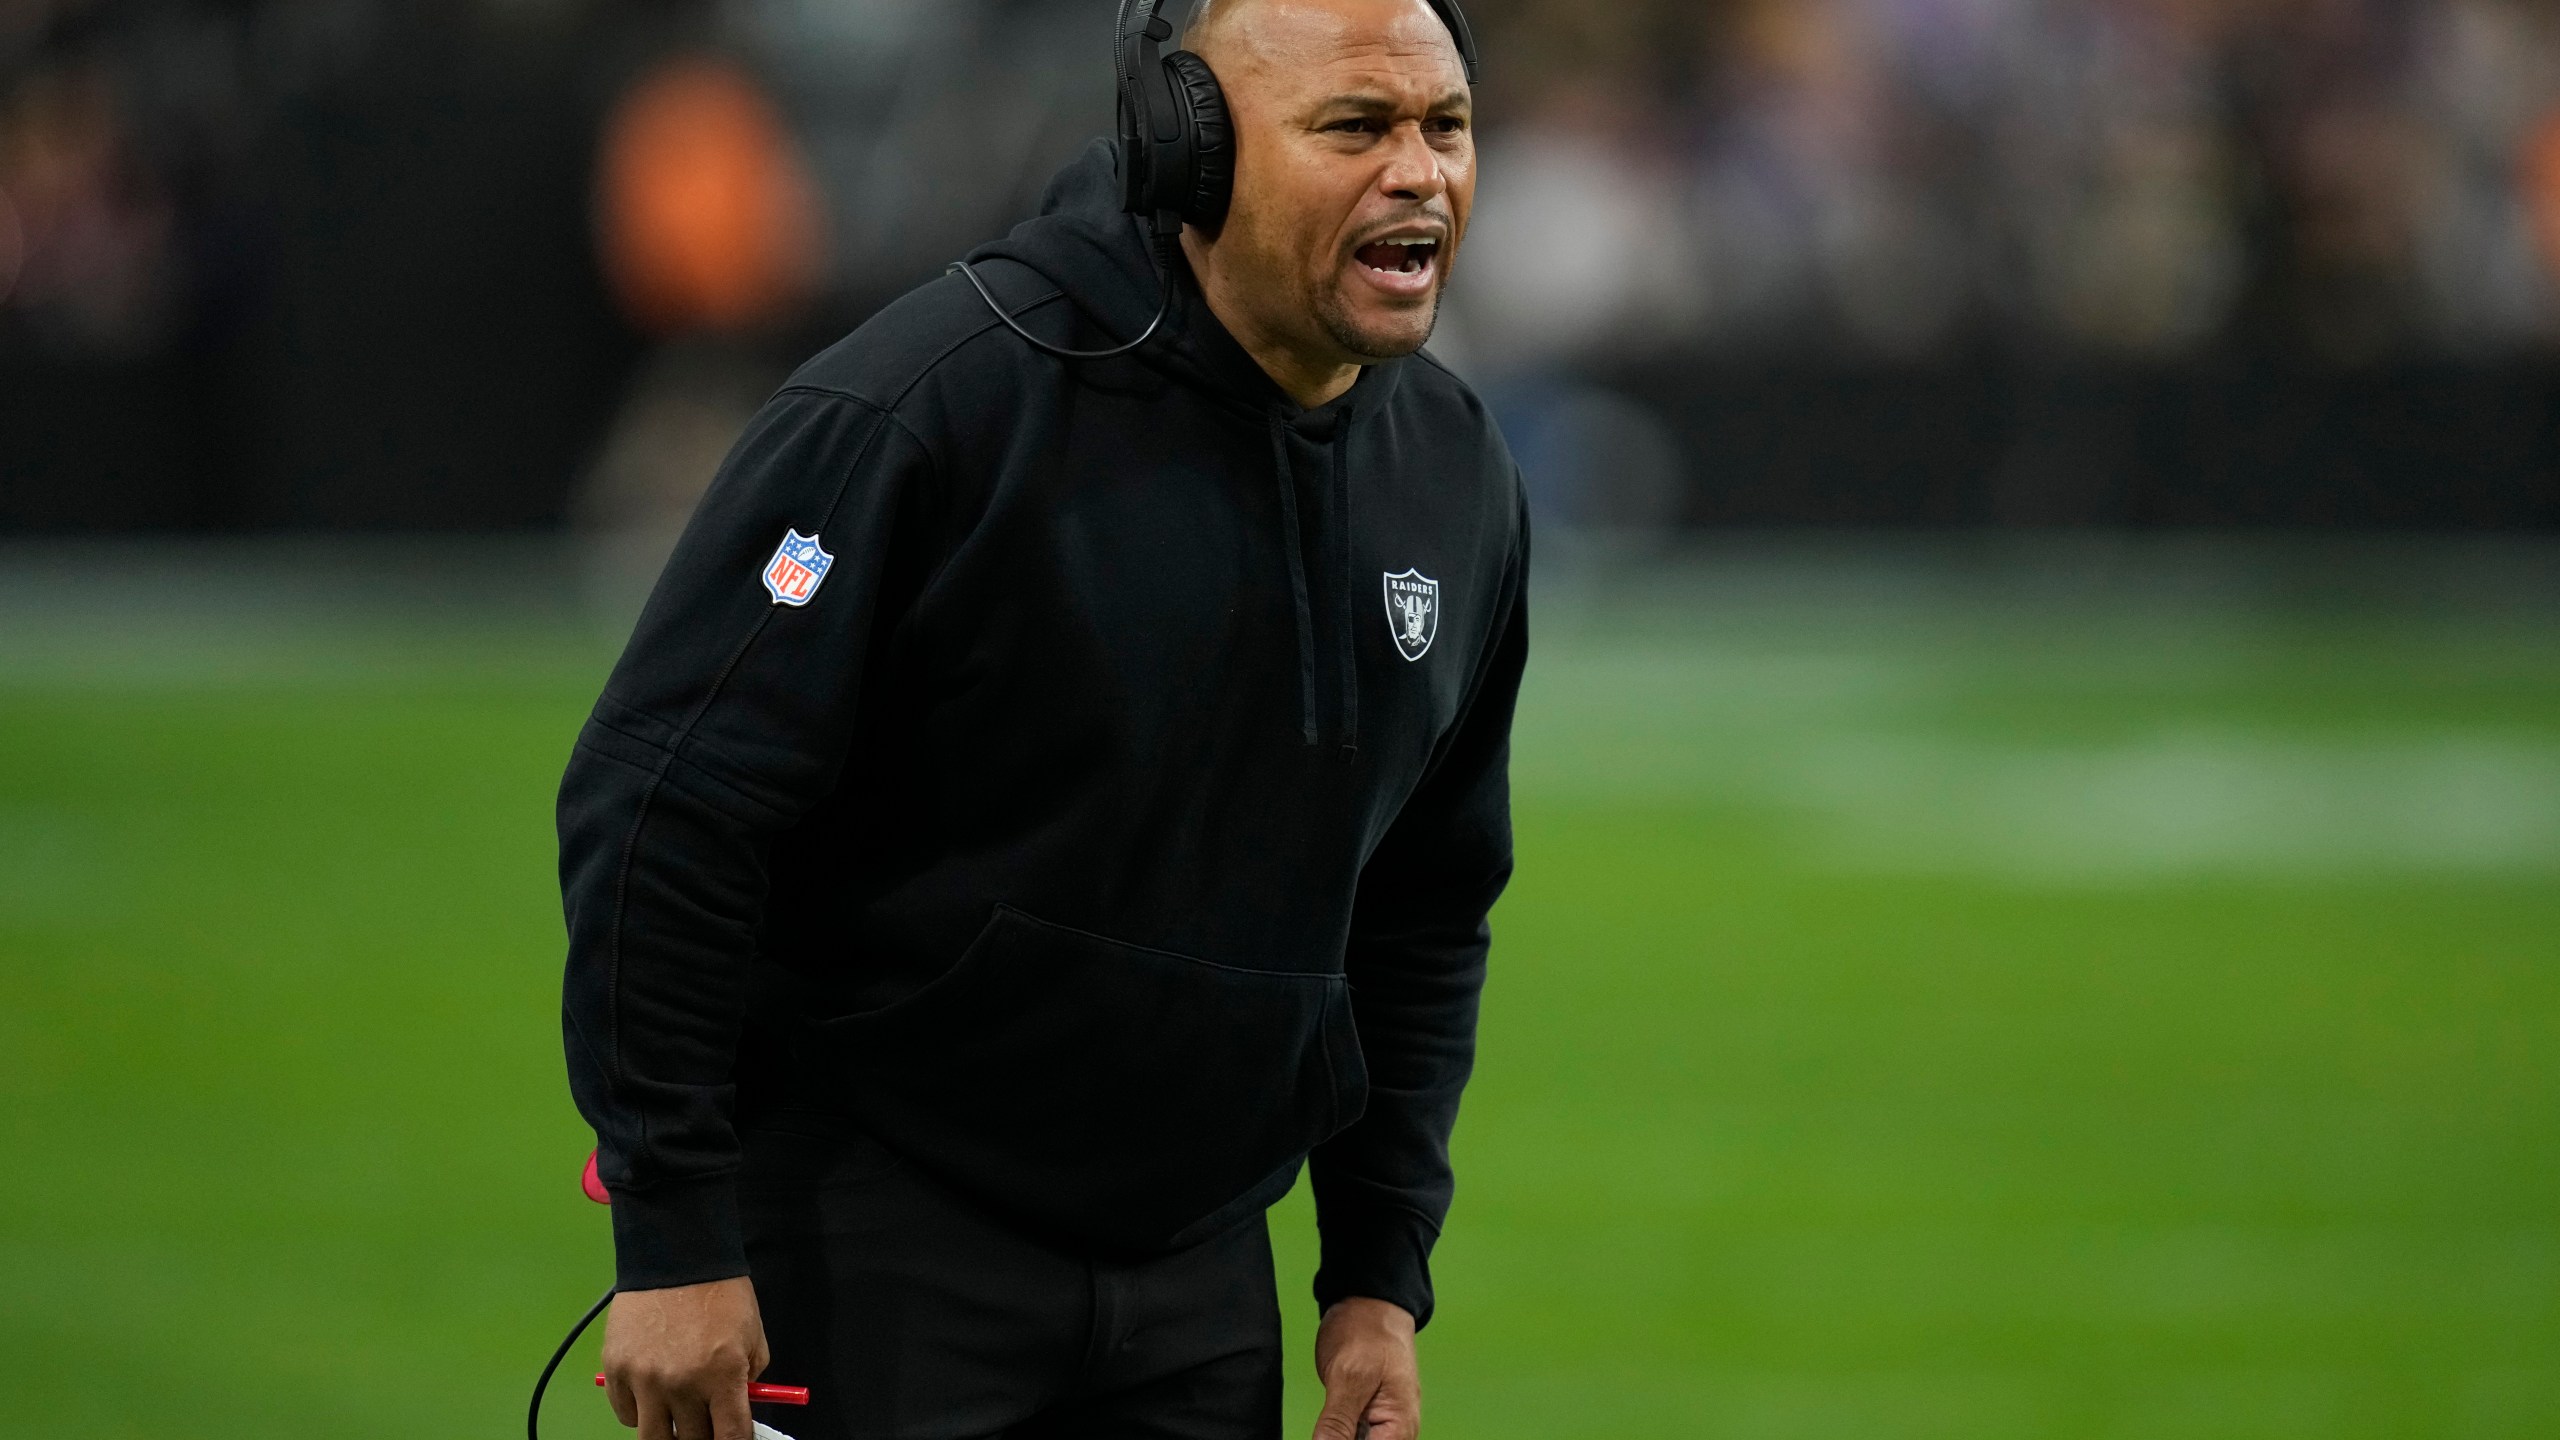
(1212, 185)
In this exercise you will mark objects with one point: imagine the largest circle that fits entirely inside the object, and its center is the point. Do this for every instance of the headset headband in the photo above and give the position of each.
(1139, 17)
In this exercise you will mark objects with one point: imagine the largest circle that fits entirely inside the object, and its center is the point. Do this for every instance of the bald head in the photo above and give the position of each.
(1235, 36)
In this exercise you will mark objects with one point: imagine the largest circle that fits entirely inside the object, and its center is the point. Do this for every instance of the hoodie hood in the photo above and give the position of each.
(1102, 259)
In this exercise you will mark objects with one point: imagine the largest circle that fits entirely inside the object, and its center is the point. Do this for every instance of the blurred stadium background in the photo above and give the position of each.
(2039, 794)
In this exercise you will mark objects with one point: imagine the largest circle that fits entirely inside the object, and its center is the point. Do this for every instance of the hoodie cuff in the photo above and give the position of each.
(683, 1233)
(1381, 1255)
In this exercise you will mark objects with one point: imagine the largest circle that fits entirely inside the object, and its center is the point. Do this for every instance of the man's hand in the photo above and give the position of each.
(677, 1362)
(1372, 1386)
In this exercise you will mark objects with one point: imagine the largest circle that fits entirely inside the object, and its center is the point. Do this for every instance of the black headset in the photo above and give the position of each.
(1177, 146)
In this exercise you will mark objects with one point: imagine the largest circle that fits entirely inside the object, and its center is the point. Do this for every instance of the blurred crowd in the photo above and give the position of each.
(329, 228)
(2345, 179)
(2148, 176)
(741, 162)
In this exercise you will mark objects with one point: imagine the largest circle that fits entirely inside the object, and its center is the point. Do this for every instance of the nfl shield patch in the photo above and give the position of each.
(796, 568)
(1413, 612)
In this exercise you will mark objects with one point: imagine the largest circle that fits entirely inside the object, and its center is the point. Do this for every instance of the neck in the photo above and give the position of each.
(1311, 379)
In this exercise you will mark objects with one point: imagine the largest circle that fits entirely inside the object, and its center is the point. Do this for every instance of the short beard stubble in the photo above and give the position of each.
(1343, 330)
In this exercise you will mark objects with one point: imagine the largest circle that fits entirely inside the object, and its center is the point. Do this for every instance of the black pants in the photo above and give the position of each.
(913, 1315)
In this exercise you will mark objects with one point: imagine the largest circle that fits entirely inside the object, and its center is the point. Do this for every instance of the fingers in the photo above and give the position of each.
(729, 1417)
(685, 1417)
(676, 1412)
(664, 1407)
(1394, 1413)
(625, 1408)
(1347, 1393)
(693, 1419)
(655, 1421)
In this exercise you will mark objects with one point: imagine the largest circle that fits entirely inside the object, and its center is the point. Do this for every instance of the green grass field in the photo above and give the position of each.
(2079, 992)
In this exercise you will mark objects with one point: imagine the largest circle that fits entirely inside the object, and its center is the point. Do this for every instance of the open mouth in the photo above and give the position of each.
(1411, 255)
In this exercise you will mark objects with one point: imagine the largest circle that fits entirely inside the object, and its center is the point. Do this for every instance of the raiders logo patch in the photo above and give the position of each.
(1413, 612)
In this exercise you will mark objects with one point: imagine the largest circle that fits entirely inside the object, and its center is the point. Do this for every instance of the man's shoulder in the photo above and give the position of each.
(1450, 408)
(913, 342)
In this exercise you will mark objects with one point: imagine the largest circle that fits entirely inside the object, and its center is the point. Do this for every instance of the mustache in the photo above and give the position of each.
(1428, 215)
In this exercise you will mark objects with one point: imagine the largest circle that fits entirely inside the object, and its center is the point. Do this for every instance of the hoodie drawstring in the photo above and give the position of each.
(1350, 731)
(1338, 535)
(1292, 539)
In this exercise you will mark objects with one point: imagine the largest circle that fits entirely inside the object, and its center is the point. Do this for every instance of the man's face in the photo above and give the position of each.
(1355, 170)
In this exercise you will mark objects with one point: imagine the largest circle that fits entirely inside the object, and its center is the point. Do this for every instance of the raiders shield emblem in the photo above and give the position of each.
(1413, 612)
(792, 575)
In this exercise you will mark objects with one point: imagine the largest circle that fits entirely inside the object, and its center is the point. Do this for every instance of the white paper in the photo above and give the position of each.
(767, 1432)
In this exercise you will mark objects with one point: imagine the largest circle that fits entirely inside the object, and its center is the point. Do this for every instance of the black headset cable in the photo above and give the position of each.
(1166, 239)
(533, 1412)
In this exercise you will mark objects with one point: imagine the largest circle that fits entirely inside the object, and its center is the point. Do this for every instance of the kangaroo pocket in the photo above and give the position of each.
(1106, 1091)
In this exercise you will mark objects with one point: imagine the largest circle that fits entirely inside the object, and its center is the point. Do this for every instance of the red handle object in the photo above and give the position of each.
(768, 1394)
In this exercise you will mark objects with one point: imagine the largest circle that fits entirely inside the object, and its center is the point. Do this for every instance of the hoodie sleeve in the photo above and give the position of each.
(727, 716)
(1416, 963)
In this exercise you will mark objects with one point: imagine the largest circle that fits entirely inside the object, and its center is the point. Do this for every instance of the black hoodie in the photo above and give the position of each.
(1107, 827)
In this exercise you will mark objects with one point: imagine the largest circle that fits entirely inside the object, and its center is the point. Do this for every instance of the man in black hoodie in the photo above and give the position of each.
(1046, 803)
